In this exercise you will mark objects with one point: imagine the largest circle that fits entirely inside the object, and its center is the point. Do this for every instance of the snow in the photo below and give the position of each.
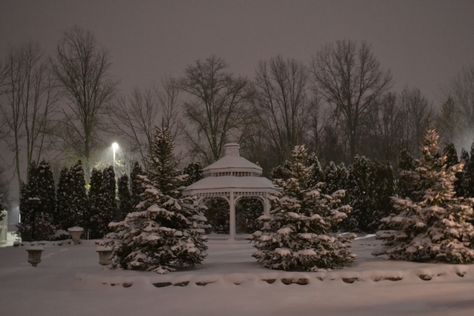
(69, 281)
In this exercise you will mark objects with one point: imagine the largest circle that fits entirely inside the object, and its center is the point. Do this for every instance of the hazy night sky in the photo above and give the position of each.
(424, 43)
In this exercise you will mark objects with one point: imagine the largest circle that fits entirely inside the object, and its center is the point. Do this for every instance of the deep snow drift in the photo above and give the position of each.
(69, 281)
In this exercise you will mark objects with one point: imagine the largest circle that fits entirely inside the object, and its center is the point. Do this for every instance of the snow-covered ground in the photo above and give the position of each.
(69, 281)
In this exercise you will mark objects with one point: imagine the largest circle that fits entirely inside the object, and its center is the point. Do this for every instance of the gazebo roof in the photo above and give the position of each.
(232, 173)
(226, 183)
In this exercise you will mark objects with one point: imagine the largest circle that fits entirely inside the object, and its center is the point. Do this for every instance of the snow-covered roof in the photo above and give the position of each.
(232, 162)
(226, 183)
(231, 173)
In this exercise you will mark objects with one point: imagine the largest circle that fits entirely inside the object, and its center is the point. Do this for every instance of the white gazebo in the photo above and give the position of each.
(233, 177)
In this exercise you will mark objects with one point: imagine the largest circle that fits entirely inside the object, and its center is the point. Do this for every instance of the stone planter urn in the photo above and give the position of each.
(34, 255)
(105, 255)
(76, 233)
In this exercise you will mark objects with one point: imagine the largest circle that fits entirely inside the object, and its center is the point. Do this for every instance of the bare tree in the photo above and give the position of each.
(283, 106)
(417, 118)
(388, 129)
(136, 115)
(350, 79)
(215, 107)
(27, 104)
(82, 69)
(456, 120)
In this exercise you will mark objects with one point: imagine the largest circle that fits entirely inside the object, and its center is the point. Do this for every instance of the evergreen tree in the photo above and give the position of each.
(125, 199)
(135, 185)
(217, 215)
(451, 155)
(370, 187)
(318, 174)
(460, 181)
(109, 202)
(62, 194)
(468, 175)
(163, 234)
(95, 204)
(46, 189)
(76, 199)
(297, 234)
(193, 173)
(336, 177)
(438, 227)
(161, 163)
(248, 210)
(407, 178)
(37, 204)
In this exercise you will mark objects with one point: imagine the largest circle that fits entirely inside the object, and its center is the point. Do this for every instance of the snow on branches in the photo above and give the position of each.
(163, 234)
(438, 227)
(299, 233)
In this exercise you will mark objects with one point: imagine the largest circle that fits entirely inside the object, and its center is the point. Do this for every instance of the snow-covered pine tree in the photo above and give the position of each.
(95, 204)
(298, 233)
(166, 232)
(35, 204)
(161, 163)
(438, 227)
(163, 234)
(125, 199)
(135, 184)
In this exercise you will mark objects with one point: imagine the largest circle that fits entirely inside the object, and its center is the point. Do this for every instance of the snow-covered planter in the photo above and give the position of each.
(76, 233)
(105, 255)
(299, 233)
(34, 254)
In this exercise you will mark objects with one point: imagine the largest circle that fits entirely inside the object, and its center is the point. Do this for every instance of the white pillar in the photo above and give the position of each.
(231, 216)
(266, 206)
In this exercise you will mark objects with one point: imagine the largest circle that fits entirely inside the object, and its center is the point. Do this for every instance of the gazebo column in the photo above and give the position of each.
(231, 216)
(266, 206)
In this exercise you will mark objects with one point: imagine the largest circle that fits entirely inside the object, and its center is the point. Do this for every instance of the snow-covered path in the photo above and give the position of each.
(69, 281)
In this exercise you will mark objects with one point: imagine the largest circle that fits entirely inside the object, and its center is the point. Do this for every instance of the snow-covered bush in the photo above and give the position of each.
(439, 226)
(163, 234)
(298, 234)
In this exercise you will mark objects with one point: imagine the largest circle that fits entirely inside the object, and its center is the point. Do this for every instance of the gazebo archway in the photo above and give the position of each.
(233, 177)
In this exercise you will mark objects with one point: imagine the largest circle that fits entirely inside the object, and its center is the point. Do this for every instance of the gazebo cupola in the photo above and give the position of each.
(232, 177)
